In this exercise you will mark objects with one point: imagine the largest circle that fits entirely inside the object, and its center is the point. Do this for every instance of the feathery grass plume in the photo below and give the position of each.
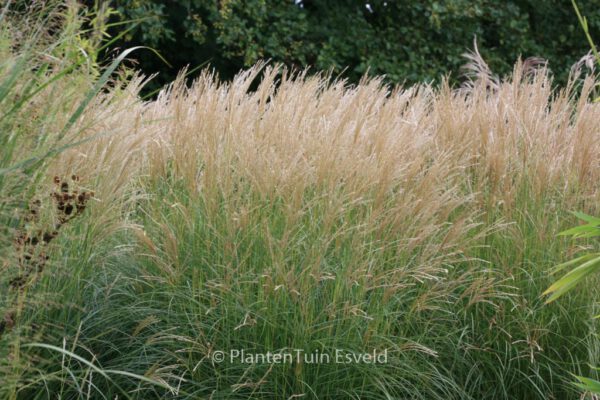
(477, 71)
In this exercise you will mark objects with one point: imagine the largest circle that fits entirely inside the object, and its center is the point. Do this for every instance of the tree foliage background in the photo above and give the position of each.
(408, 41)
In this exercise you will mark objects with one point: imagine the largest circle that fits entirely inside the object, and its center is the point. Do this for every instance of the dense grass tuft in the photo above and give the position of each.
(306, 214)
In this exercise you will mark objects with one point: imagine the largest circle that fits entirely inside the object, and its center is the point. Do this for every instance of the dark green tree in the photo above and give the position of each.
(405, 40)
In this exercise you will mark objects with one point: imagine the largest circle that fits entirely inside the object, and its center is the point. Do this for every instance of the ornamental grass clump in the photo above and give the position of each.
(283, 212)
(309, 214)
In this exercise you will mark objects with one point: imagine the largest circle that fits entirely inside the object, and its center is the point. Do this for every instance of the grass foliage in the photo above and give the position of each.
(280, 211)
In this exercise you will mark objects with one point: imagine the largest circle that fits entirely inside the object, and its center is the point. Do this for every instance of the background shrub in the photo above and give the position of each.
(407, 41)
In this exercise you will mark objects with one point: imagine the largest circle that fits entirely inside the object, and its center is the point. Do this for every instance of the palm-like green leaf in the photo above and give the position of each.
(571, 279)
(584, 265)
(591, 229)
(587, 384)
